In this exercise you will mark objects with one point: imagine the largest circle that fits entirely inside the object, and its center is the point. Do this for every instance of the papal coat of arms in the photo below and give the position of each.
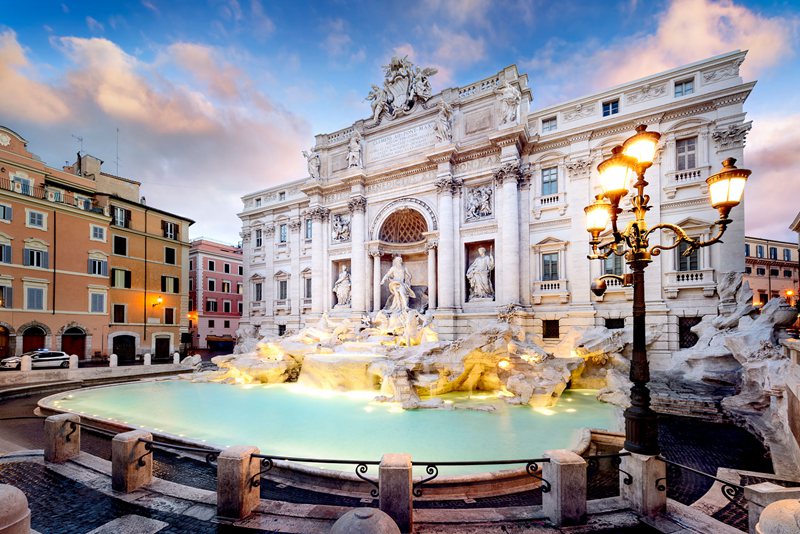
(404, 85)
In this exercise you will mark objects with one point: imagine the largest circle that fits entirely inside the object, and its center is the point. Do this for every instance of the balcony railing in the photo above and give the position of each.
(698, 279)
(50, 194)
(555, 201)
(550, 288)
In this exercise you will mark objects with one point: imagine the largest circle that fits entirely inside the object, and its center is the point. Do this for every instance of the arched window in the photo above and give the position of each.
(404, 226)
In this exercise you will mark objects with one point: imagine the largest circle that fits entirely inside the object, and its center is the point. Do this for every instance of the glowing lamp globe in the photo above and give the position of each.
(642, 146)
(615, 174)
(598, 214)
(727, 186)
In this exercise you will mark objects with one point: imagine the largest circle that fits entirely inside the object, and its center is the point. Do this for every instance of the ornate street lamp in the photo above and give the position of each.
(631, 159)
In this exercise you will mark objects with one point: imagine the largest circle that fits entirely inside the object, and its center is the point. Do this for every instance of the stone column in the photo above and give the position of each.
(643, 495)
(358, 274)
(318, 214)
(62, 437)
(445, 266)
(131, 462)
(376, 280)
(395, 486)
(430, 247)
(236, 494)
(506, 178)
(565, 503)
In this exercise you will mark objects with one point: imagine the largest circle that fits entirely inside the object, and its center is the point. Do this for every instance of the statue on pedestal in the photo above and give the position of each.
(479, 276)
(399, 286)
(510, 98)
(342, 287)
(354, 151)
(314, 163)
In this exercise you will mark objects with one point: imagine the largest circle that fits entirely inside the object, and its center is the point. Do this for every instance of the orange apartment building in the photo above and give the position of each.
(63, 284)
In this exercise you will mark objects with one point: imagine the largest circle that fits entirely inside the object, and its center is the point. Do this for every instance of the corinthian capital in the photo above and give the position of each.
(319, 213)
(357, 204)
(507, 171)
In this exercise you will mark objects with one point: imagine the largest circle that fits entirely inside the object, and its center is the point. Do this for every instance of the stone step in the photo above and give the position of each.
(703, 408)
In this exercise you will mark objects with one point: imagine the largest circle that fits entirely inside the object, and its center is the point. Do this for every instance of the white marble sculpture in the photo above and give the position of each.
(312, 157)
(479, 276)
(340, 228)
(404, 85)
(509, 98)
(443, 128)
(399, 283)
(479, 203)
(341, 288)
(354, 158)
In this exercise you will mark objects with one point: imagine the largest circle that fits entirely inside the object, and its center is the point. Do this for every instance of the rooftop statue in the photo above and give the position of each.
(404, 85)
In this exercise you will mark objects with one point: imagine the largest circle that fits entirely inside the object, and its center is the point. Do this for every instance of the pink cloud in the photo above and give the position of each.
(202, 62)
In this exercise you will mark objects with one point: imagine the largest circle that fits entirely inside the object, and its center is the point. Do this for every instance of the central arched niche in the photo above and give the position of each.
(404, 233)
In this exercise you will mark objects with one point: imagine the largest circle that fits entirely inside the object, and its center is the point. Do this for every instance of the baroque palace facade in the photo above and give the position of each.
(482, 198)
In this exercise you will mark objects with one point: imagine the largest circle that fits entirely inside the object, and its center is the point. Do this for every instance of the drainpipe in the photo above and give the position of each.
(144, 298)
(55, 255)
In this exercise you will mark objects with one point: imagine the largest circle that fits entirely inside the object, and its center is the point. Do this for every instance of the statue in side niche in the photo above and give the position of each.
(342, 287)
(479, 276)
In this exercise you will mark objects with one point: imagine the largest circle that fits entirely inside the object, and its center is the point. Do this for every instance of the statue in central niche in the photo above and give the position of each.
(400, 291)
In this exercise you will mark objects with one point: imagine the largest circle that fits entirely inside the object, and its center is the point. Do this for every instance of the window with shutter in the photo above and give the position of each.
(5, 253)
(6, 293)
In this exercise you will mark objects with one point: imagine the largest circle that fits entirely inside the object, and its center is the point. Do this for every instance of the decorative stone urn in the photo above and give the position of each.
(365, 521)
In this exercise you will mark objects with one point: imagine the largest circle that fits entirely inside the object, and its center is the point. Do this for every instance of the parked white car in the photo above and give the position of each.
(40, 359)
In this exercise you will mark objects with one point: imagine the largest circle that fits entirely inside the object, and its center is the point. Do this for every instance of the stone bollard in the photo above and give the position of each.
(73, 361)
(15, 516)
(25, 363)
(147, 358)
(395, 487)
(176, 359)
(236, 472)
(365, 521)
(112, 360)
(565, 503)
(642, 495)
(780, 517)
(62, 437)
(131, 462)
(759, 496)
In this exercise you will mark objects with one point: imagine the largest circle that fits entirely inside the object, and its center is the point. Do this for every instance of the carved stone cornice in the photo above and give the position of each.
(357, 204)
(508, 171)
(511, 137)
(319, 213)
(731, 136)
(444, 155)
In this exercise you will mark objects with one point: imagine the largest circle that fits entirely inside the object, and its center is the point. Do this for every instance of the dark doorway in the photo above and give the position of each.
(73, 341)
(32, 339)
(162, 348)
(125, 348)
(4, 342)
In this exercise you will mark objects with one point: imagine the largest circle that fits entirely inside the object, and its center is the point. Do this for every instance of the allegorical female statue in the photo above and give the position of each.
(399, 286)
(479, 276)
(342, 287)
(354, 151)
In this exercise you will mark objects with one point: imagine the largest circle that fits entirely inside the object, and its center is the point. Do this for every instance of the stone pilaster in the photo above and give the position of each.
(376, 279)
(507, 177)
(446, 265)
(358, 207)
(318, 214)
(430, 247)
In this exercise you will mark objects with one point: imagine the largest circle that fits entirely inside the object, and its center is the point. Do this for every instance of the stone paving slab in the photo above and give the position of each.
(131, 524)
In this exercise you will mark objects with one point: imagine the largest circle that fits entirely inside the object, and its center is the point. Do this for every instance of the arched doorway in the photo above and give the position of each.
(124, 347)
(33, 338)
(5, 342)
(73, 341)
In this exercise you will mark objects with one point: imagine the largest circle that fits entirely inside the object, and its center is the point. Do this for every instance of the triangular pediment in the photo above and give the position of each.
(550, 240)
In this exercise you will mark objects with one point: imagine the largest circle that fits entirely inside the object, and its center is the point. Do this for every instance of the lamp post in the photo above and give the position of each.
(629, 161)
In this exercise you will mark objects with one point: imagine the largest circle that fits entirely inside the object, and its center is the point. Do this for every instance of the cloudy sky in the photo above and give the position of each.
(216, 99)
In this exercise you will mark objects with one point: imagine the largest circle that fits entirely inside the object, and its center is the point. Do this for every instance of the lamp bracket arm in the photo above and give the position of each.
(680, 237)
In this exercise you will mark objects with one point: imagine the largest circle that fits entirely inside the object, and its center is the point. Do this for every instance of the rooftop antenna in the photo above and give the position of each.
(117, 171)
(80, 140)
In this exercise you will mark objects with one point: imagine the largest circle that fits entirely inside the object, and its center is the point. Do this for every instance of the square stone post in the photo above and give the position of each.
(131, 461)
(62, 437)
(395, 487)
(642, 495)
(759, 496)
(25, 363)
(565, 503)
(236, 494)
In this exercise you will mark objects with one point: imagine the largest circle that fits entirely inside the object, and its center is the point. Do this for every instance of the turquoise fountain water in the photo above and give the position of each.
(286, 419)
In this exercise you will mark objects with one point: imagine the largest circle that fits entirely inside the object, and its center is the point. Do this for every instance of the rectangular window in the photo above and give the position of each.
(787, 254)
(307, 288)
(762, 297)
(549, 181)
(120, 217)
(35, 258)
(241, 308)
(5, 212)
(283, 290)
(549, 125)
(257, 292)
(169, 255)
(690, 262)
(550, 329)
(308, 227)
(613, 265)
(98, 233)
(226, 306)
(5, 253)
(687, 338)
(773, 253)
(226, 267)
(120, 278)
(169, 315)
(684, 87)
(226, 286)
(241, 270)
(686, 150)
(36, 219)
(6, 297)
(23, 185)
(258, 203)
(211, 305)
(759, 251)
(170, 284)
(226, 324)
(211, 323)
(259, 240)
(282, 195)
(97, 302)
(239, 288)
(35, 298)
(171, 229)
(119, 313)
(191, 265)
(191, 305)
(748, 270)
(550, 266)
(787, 273)
(284, 233)
(191, 284)
(212, 284)
(747, 249)
(610, 108)
(212, 266)
(281, 329)
(773, 272)
(615, 324)
(120, 245)
(760, 271)
(99, 267)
